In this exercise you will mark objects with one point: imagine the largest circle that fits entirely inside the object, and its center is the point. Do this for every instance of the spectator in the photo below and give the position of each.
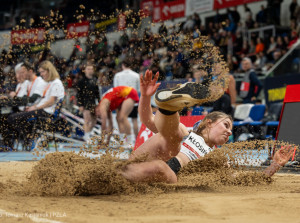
(294, 39)
(292, 9)
(124, 39)
(280, 45)
(261, 16)
(248, 12)
(251, 85)
(271, 48)
(260, 46)
(249, 21)
(189, 24)
(117, 49)
(275, 9)
(261, 61)
(88, 97)
(217, 17)
(197, 21)
(128, 77)
(276, 56)
(53, 92)
(227, 101)
(162, 30)
(235, 15)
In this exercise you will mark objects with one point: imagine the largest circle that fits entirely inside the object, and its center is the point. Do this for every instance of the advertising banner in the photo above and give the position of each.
(27, 36)
(79, 29)
(121, 21)
(196, 6)
(145, 133)
(275, 87)
(220, 4)
(169, 10)
(109, 25)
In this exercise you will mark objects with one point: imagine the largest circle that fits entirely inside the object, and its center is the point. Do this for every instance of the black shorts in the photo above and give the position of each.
(174, 164)
(134, 112)
(90, 106)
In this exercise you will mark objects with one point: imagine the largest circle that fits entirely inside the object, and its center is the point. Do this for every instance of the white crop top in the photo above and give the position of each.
(194, 147)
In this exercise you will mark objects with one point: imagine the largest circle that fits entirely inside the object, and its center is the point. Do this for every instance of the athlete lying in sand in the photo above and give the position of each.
(168, 150)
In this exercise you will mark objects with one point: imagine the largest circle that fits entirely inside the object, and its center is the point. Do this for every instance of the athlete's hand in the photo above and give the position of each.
(148, 85)
(283, 155)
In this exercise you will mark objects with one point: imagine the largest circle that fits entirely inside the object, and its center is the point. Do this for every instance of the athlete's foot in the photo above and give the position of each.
(181, 96)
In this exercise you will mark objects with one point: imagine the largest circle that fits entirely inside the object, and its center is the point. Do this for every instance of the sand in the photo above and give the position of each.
(278, 201)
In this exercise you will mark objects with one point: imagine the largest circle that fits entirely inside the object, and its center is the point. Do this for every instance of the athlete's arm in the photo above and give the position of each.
(281, 157)
(148, 87)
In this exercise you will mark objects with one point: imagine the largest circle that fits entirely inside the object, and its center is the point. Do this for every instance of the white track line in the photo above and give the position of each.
(31, 216)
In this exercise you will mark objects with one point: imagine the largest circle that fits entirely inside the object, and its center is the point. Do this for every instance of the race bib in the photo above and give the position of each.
(194, 147)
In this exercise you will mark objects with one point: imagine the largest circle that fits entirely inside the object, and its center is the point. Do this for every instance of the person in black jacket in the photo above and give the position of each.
(251, 85)
(88, 97)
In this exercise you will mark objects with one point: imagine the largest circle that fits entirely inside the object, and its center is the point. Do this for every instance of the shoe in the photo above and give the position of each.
(181, 96)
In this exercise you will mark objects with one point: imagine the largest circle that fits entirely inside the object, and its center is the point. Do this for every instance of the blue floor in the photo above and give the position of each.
(63, 147)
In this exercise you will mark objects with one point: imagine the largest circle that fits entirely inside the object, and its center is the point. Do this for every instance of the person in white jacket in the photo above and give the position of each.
(128, 77)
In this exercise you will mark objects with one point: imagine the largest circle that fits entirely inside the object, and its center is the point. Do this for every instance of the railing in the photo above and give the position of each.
(261, 31)
(270, 72)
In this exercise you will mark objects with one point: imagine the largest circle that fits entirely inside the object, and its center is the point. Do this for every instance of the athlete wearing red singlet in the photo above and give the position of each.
(117, 95)
(122, 99)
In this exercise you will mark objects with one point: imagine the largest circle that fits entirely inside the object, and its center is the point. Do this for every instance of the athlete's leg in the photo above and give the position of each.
(149, 171)
(122, 116)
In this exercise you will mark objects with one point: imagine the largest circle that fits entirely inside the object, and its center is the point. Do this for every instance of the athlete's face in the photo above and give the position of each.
(219, 131)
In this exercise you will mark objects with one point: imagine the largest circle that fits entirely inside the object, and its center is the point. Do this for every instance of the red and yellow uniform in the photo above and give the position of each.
(117, 95)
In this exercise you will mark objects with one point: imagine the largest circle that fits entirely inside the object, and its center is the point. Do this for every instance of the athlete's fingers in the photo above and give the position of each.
(155, 78)
(148, 76)
(156, 86)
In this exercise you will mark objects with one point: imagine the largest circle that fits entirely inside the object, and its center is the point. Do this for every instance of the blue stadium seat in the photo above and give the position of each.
(197, 110)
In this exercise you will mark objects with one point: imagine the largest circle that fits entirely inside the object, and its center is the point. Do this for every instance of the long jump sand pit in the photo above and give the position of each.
(255, 199)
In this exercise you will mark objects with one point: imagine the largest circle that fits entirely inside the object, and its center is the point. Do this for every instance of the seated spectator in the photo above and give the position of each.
(271, 48)
(53, 92)
(245, 48)
(294, 39)
(238, 43)
(13, 99)
(178, 70)
(280, 45)
(286, 40)
(261, 61)
(276, 56)
(252, 49)
(260, 46)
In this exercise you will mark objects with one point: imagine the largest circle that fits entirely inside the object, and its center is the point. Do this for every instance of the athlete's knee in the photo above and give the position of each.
(162, 172)
(121, 118)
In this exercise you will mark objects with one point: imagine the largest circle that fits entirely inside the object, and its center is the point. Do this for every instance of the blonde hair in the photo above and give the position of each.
(48, 66)
(213, 116)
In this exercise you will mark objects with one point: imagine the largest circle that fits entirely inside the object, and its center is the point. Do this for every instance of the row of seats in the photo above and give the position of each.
(252, 117)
